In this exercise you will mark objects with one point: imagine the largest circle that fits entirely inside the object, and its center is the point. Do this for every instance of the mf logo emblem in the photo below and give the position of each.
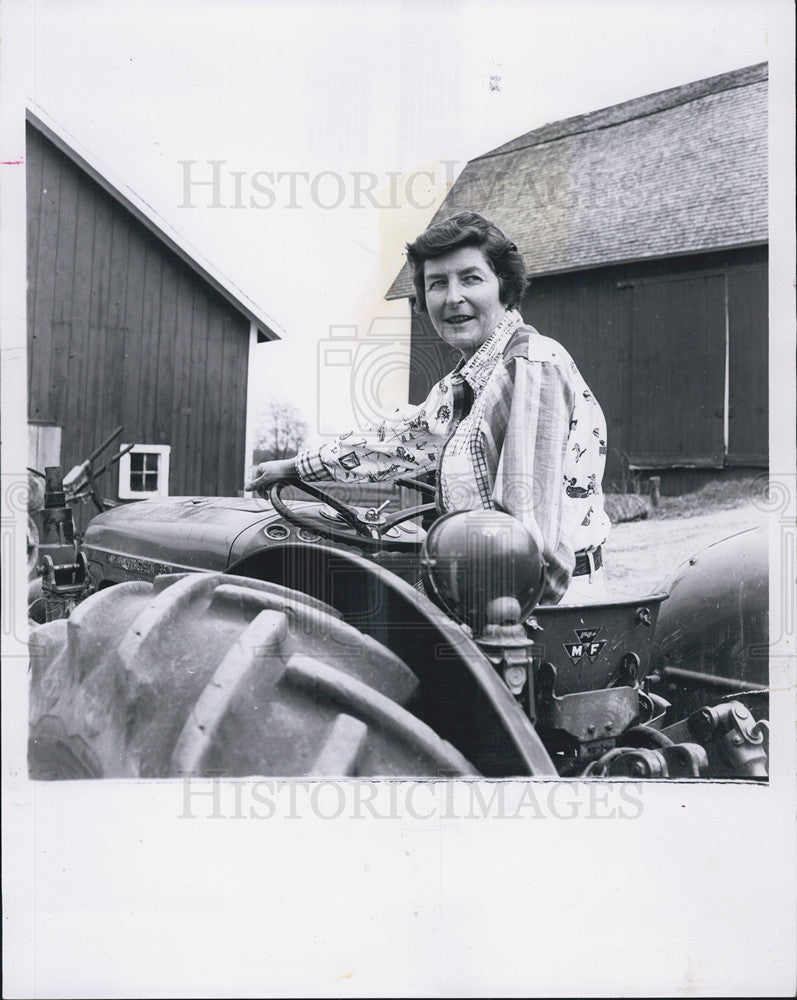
(588, 645)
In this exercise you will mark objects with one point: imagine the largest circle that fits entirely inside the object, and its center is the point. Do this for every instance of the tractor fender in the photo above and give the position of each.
(715, 625)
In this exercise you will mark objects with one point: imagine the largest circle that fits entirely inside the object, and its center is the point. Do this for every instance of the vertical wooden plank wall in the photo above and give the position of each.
(748, 312)
(677, 376)
(592, 314)
(121, 331)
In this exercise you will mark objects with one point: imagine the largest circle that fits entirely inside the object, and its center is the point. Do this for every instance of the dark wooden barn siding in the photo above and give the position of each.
(677, 371)
(748, 314)
(121, 331)
(650, 341)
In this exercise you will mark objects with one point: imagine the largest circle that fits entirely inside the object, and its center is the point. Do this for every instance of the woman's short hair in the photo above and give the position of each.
(469, 229)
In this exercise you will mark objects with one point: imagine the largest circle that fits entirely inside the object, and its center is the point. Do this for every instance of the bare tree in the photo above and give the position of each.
(280, 432)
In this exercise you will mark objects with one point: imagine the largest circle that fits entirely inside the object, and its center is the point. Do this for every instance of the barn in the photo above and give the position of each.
(129, 327)
(644, 228)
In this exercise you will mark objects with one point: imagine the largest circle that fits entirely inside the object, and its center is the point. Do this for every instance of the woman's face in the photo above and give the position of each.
(462, 298)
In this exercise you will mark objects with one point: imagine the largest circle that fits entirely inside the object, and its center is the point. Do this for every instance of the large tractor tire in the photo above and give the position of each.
(211, 674)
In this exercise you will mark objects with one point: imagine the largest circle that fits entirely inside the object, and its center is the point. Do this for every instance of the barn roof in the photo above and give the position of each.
(676, 172)
(156, 224)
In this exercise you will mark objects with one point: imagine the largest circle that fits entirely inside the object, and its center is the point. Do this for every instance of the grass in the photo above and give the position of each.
(723, 494)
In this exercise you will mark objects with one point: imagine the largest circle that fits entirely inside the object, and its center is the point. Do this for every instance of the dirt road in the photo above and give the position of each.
(642, 553)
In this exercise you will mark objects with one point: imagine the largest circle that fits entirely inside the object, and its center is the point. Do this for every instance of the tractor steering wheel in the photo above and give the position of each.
(373, 531)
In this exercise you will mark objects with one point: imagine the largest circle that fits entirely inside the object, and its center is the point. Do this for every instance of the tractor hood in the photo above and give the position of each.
(141, 540)
(173, 534)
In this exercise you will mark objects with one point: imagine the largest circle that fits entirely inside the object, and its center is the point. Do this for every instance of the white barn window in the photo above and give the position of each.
(144, 472)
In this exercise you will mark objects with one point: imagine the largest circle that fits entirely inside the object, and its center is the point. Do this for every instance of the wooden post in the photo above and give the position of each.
(655, 490)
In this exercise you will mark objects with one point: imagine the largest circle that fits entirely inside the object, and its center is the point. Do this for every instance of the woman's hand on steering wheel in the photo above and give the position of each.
(267, 474)
(269, 479)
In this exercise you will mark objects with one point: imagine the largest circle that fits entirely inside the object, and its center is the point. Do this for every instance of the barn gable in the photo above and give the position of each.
(126, 328)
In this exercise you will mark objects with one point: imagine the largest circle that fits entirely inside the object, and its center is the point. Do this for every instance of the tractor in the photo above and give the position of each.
(287, 637)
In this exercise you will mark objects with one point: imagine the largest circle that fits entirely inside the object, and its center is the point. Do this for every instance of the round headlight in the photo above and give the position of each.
(472, 558)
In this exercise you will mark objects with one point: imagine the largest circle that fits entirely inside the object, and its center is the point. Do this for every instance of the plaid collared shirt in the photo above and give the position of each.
(533, 443)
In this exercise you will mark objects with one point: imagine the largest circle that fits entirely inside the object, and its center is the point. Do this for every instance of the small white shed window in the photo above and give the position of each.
(144, 472)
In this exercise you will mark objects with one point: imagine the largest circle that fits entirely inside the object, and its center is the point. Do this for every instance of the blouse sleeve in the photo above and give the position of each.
(530, 477)
(407, 443)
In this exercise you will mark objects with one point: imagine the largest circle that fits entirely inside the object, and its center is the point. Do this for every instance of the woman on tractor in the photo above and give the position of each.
(514, 427)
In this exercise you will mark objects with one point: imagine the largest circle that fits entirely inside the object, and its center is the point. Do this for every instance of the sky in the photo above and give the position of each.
(343, 123)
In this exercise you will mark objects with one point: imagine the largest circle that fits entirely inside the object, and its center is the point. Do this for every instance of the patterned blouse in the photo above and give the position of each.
(533, 443)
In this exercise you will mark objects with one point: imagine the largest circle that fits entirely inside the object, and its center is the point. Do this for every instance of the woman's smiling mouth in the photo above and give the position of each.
(459, 319)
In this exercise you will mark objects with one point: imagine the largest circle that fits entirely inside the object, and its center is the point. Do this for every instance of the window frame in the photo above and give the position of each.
(125, 490)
